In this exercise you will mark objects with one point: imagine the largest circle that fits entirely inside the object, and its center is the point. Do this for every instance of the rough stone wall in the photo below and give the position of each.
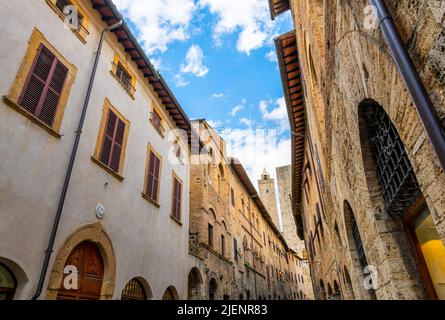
(356, 66)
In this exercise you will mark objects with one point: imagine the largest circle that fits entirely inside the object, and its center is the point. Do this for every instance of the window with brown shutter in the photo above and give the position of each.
(153, 173)
(112, 142)
(41, 94)
(176, 198)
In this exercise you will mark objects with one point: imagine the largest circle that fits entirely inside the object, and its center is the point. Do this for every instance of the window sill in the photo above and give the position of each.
(176, 220)
(157, 128)
(108, 169)
(131, 94)
(153, 202)
(81, 35)
(31, 117)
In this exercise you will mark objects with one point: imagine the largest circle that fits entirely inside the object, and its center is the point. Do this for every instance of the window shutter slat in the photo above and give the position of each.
(115, 157)
(41, 94)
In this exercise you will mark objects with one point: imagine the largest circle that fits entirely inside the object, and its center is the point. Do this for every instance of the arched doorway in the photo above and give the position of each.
(213, 287)
(399, 193)
(322, 291)
(348, 285)
(337, 291)
(134, 290)
(170, 294)
(8, 283)
(195, 283)
(87, 260)
(356, 250)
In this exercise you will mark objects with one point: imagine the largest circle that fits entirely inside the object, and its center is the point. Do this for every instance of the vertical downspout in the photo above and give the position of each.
(69, 170)
(412, 80)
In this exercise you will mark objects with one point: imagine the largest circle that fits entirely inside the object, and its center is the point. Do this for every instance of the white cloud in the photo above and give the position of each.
(246, 122)
(194, 62)
(258, 149)
(215, 124)
(278, 114)
(159, 22)
(250, 18)
(217, 96)
(272, 56)
(238, 108)
(180, 81)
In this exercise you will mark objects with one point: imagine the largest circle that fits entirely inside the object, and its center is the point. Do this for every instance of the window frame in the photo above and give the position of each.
(155, 202)
(108, 107)
(179, 180)
(210, 236)
(158, 125)
(83, 33)
(12, 99)
(119, 61)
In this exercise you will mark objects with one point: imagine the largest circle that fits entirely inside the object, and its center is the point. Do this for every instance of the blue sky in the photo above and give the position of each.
(218, 57)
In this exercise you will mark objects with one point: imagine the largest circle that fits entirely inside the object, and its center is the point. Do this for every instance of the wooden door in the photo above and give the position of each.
(86, 257)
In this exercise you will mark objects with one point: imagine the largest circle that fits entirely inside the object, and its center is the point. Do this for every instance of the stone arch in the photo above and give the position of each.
(18, 274)
(170, 294)
(141, 285)
(213, 289)
(212, 212)
(397, 202)
(195, 285)
(92, 233)
(322, 290)
(337, 291)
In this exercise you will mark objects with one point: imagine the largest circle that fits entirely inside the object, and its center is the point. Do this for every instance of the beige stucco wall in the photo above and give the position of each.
(146, 241)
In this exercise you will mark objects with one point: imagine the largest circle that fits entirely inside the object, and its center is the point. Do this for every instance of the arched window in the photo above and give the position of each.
(170, 294)
(134, 290)
(213, 287)
(195, 283)
(399, 191)
(87, 261)
(348, 284)
(8, 283)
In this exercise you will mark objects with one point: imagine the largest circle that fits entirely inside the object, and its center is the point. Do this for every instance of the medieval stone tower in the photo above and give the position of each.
(266, 186)
(284, 180)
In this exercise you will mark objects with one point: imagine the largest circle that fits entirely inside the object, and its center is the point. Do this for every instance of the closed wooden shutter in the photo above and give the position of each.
(177, 190)
(41, 93)
(154, 164)
(112, 141)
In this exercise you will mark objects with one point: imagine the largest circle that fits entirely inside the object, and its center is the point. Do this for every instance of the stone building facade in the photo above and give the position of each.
(242, 254)
(126, 208)
(290, 234)
(368, 188)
